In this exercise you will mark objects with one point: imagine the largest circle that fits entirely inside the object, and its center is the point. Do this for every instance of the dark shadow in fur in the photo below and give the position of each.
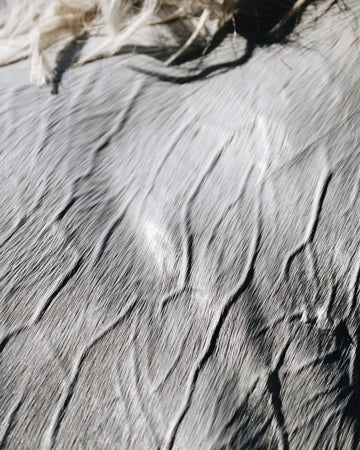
(204, 73)
(66, 58)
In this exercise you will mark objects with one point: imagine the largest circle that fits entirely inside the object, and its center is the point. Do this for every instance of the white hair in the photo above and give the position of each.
(29, 27)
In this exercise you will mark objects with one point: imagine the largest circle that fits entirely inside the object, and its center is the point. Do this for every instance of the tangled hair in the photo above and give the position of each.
(29, 27)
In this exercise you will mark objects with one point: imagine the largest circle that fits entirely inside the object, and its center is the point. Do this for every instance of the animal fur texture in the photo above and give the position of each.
(29, 27)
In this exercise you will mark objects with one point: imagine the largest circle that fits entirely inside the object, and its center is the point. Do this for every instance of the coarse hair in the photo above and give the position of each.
(29, 27)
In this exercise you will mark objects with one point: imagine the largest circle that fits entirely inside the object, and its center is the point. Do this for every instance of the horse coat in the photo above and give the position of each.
(179, 247)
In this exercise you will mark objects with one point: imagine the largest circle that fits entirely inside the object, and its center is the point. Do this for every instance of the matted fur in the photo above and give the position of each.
(29, 27)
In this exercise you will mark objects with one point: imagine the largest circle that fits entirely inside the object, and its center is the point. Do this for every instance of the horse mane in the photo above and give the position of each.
(30, 27)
